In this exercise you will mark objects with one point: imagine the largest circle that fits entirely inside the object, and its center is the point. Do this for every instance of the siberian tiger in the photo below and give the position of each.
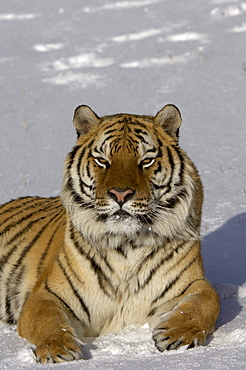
(121, 246)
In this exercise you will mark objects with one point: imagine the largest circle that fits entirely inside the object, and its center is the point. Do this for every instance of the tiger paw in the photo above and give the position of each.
(59, 350)
(176, 330)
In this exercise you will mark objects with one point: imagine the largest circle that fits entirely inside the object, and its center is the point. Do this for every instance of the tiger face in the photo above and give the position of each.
(128, 180)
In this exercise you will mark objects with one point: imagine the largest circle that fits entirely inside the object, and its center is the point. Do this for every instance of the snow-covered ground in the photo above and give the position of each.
(133, 56)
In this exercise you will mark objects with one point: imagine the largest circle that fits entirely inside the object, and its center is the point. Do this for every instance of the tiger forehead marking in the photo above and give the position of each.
(128, 134)
(120, 247)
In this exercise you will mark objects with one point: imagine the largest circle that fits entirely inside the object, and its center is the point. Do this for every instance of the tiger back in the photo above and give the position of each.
(120, 247)
(31, 230)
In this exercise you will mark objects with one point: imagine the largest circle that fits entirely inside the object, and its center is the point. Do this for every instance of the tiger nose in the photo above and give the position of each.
(121, 195)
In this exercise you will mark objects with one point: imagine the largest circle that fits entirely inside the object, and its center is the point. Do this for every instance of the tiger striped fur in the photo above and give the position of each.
(121, 246)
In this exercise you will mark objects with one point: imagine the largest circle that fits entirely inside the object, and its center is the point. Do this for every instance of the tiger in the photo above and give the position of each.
(120, 246)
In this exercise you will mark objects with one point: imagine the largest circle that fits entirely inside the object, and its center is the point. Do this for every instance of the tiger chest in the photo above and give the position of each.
(114, 290)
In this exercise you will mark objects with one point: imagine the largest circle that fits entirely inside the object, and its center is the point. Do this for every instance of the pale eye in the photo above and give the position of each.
(101, 162)
(147, 162)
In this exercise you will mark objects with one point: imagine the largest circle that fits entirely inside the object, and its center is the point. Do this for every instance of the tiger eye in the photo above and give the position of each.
(101, 162)
(147, 162)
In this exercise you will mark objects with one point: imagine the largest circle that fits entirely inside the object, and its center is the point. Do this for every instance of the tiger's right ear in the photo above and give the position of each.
(84, 119)
(169, 118)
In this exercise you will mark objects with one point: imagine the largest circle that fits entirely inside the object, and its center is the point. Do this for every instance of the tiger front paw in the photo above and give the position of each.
(178, 329)
(66, 348)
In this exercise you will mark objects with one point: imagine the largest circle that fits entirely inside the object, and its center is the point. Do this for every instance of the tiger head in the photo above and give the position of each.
(127, 180)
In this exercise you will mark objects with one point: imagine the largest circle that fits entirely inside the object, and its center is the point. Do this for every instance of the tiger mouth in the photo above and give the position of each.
(126, 217)
(121, 215)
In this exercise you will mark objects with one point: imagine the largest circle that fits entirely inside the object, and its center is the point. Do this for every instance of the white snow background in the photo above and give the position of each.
(134, 57)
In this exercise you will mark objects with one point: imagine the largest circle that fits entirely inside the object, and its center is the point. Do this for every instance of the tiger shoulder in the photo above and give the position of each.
(119, 247)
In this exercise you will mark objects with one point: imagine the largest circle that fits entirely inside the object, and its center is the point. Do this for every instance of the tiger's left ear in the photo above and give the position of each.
(170, 119)
(84, 119)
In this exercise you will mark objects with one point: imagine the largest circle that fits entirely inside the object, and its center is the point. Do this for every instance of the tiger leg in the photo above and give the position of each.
(191, 320)
(45, 323)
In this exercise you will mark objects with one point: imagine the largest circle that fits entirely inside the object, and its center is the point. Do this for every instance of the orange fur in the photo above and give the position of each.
(121, 247)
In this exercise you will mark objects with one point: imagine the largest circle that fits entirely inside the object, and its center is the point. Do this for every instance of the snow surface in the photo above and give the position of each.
(133, 56)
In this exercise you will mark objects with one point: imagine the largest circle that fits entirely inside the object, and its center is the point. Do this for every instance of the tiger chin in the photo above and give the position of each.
(120, 247)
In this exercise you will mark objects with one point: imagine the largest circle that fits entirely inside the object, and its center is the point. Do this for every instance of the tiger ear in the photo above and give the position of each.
(170, 119)
(84, 119)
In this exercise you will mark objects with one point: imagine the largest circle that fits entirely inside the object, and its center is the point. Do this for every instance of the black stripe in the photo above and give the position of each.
(132, 141)
(76, 196)
(154, 270)
(132, 147)
(158, 169)
(44, 254)
(23, 209)
(16, 204)
(152, 312)
(69, 265)
(33, 213)
(104, 142)
(12, 293)
(80, 157)
(183, 291)
(159, 187)
(166, 186)
(121, 251)
(101, 276)
(162, 261)
(8, 317)
(61, 300)
(142, 139)
(87, 167)
(160, 143)
(154, 309)
(114, 147)
(110, 131)
(153, 150)
(139, 131)
(74, 290)
(17, 264)
(174, 281)
(106, 125)
(181, 161)
(170, 158)
(21, 233)
(104, 258)
(37, 236)
(69, 188)
(174, 200)
(71, 156)
(81, 183)
(127, 119)
(172, 166)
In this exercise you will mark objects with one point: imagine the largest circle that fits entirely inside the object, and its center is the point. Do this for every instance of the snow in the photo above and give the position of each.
(134, 57)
